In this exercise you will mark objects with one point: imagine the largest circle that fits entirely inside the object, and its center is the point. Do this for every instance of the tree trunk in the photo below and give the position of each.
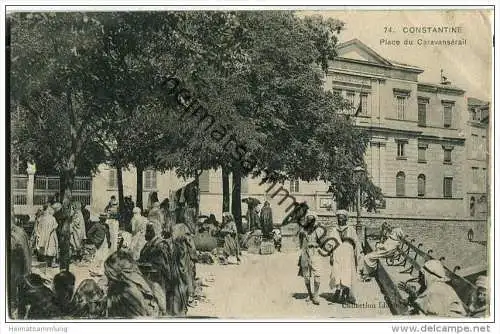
(225, 190)
(140, 172)
(67, 181)
(121, 199)
(197, 180)
(236, 199)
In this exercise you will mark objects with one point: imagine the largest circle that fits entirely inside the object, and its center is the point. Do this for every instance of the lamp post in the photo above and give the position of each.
(358, 173)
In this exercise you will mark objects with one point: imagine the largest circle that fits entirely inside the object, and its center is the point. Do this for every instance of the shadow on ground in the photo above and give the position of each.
(299, 295)
(328, 296)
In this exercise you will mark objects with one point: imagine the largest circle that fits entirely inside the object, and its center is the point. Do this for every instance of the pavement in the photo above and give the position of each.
(267, 287)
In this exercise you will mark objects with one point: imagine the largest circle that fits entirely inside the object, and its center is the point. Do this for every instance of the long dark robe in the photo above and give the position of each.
(86, 219)
(266, 221)
(252, 215)
(165, 258)
(130, 294)
(188, 258)
(64, 238)
(20, 261)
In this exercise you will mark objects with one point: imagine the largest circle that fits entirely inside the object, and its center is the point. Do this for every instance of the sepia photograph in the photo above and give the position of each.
(249, 164)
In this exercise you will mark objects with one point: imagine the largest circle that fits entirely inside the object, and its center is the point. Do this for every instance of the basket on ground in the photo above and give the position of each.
(267, 247)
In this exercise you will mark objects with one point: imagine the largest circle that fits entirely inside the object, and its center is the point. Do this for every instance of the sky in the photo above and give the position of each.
(468, 67)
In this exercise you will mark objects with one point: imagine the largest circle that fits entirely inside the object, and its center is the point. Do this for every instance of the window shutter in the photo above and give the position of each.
(150, 179)
(350, 97)
(447, 187)
(447, 116)
(475, 176)
(400, 106)
(112, 181)
(421, 154)
(146, 180)
(422, 114)
(204, 180)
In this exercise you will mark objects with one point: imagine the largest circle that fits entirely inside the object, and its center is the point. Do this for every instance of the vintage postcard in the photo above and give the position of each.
(249, 164)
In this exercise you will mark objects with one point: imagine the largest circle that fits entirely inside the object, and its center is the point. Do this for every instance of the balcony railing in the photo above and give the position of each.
(44, 187)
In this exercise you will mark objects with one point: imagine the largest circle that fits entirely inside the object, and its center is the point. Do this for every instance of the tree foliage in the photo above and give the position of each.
(50, 70)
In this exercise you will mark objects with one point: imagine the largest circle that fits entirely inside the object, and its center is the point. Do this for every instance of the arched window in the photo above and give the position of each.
(421, 185)
(472, 206)
(400, 184)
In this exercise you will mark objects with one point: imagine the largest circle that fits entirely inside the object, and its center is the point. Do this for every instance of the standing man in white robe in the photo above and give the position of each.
(345, 260)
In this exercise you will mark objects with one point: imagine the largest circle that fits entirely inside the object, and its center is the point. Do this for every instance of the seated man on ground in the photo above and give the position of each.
(210, 225)
(383, 250)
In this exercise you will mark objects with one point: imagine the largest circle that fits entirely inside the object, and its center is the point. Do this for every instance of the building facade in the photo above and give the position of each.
(417, 149)
(477, 147)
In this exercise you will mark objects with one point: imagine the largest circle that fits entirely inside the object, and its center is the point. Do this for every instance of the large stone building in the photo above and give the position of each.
(417, 149)
(422, 151)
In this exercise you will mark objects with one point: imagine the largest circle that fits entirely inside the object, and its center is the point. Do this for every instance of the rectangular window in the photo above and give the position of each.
(422, 113)
(447, 155)
(475, 144)
(364, 103)
(350, 97)
(400, 184)
(112, 179)
(401, 106)
(150, 179)
(484, 148)
(475, 176)
(421, 153)
(421, 185)
(447, 115)
(448, 187)
(294, 186)
(473, 114)
(401, 153)
(204, 180)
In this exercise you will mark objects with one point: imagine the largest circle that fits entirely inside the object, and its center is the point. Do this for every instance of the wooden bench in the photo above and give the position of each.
(411, 258)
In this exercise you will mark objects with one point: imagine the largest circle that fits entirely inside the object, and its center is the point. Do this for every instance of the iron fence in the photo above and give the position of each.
(45, 187)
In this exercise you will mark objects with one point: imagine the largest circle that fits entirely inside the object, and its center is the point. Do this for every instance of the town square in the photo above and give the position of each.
(249, 164)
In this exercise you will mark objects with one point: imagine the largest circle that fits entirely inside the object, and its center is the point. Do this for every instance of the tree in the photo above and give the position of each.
(49, 70)
(264, 98)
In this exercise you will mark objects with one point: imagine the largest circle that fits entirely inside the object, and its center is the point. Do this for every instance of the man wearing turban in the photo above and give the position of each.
(438, 298)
